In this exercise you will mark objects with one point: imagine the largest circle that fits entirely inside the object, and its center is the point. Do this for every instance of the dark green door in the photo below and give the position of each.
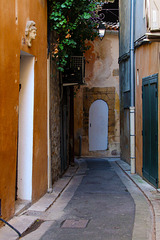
(150, 128)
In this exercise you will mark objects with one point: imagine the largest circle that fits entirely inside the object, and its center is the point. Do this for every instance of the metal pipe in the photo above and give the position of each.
(132, 90)
(132, 54)
(132, 139)
(48, 128)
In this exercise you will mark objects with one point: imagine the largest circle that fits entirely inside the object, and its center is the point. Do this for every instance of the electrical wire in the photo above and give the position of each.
(11, 227)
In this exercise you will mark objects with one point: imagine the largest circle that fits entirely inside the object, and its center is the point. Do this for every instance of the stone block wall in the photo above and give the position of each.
(55, 122)
(106, 94)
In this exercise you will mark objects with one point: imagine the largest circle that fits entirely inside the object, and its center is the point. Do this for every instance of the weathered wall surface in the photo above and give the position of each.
(124, 30)
(140, 23)
(14, 16)
(102, 82)
(55, 105)
(55, 122)
(124, 74)
(147, 63)
(125, 134)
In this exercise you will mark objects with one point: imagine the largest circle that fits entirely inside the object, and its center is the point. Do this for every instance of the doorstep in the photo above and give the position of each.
(21, 206)
(23, 221)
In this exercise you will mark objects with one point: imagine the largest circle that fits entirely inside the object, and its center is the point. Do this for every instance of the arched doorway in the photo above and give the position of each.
(98, 126)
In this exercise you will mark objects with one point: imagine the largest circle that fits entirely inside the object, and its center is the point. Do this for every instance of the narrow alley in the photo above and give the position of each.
(101, 207)
(99, 202)
(80, 120)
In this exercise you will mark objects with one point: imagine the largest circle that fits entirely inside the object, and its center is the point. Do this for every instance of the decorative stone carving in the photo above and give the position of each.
(30, 32)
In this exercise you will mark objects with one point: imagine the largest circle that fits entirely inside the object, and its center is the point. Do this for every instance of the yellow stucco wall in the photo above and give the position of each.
(14, 16)
(147, 63)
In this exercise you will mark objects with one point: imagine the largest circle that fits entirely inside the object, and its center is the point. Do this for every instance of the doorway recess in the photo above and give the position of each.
(25, 128)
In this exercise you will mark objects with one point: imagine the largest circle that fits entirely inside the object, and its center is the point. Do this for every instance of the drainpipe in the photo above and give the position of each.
(48, 128)
(132, 82)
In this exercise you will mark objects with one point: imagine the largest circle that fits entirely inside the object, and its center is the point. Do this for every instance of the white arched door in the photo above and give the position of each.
(98, 126)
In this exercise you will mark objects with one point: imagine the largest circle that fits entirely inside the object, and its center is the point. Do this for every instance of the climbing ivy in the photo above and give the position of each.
(74, 22)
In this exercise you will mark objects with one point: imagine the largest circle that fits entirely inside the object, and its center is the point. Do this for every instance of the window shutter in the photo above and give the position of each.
(154, 19)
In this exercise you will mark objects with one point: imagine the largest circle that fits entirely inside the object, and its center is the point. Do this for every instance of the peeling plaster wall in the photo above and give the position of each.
(124, 74)
(102, 82)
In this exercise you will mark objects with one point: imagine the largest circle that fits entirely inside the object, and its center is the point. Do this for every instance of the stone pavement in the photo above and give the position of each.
(98, 200)
(101, 207)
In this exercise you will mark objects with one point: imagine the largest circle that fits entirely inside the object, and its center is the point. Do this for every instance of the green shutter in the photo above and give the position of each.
(150, 128)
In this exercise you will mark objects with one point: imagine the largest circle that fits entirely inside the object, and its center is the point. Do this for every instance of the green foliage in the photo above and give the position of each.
(74, 21)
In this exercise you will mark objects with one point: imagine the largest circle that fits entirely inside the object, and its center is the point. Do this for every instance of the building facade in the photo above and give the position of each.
(96, 104)
(23, 103)
(146, 26)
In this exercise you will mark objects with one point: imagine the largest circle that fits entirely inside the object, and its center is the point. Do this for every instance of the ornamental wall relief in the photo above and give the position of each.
(30, 32)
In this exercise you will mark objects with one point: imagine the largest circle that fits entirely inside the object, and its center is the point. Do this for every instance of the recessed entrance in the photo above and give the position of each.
(98, 126)
(25, 128)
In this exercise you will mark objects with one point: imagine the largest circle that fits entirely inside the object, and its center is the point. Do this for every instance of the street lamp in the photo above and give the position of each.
(101, 30)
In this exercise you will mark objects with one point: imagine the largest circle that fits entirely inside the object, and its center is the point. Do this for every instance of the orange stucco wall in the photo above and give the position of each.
(14, 16)
(147, 63)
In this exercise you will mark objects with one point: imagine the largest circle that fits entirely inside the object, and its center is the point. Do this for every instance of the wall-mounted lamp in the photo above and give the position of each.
(101, 30)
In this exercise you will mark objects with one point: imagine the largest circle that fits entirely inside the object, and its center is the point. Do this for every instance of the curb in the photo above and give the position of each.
(151, 194)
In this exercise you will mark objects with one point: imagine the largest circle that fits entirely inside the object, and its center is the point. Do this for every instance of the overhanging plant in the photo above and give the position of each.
(74, 22)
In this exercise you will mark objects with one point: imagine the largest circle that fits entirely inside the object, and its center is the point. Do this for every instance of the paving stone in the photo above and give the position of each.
(71, 223)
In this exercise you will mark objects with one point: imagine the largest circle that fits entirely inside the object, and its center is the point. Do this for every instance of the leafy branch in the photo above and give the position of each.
(74, 21)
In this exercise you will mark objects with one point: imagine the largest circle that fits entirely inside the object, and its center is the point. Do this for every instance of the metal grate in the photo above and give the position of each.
(74, 73)
(72, 223)
(78, 62)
